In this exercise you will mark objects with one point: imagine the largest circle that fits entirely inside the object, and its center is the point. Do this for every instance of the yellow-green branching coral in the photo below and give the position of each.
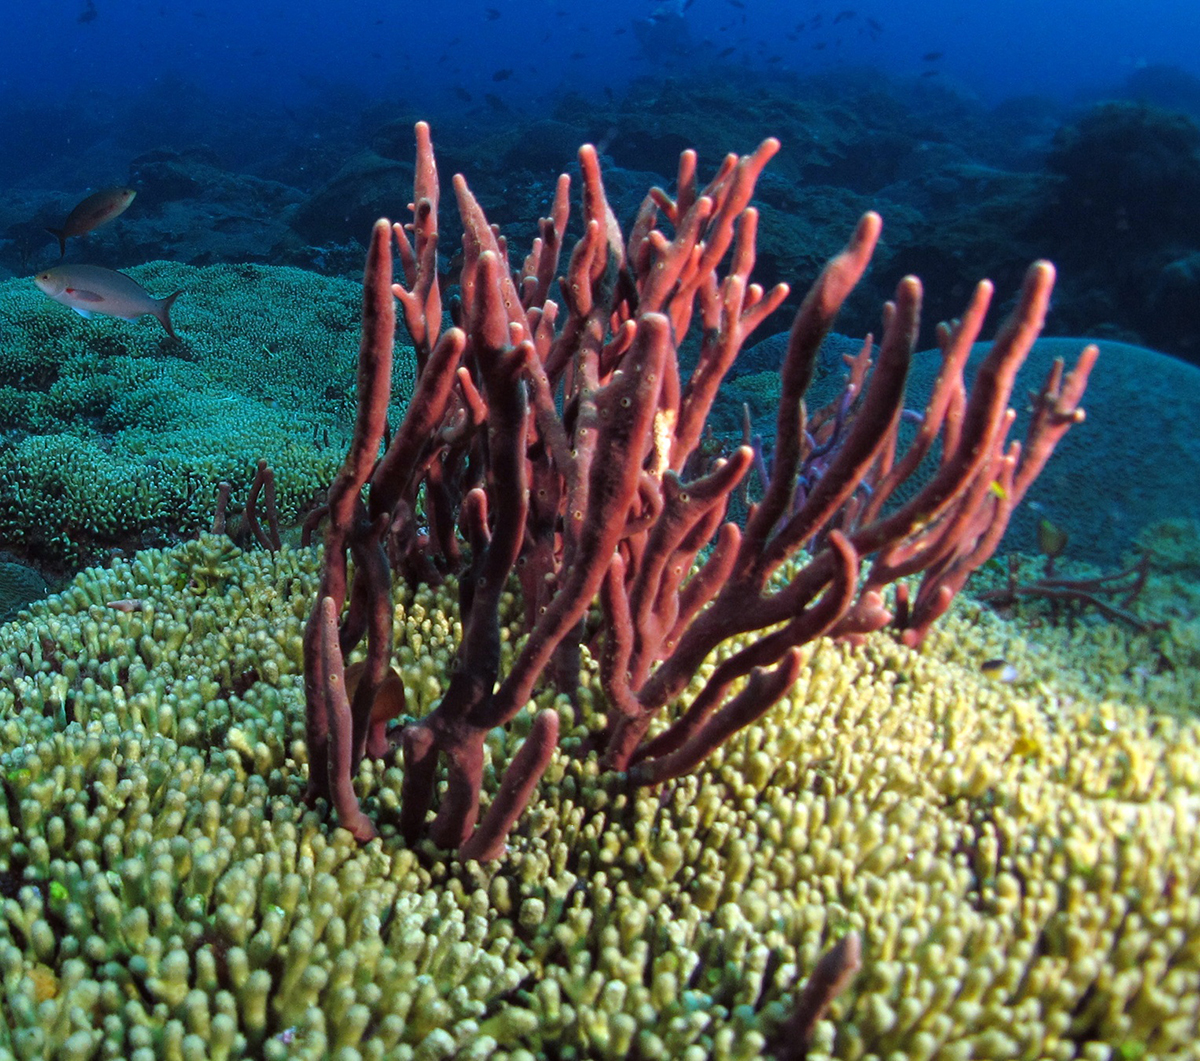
(1018, 858)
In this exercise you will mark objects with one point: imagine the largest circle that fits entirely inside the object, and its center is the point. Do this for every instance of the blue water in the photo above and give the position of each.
(275, 51)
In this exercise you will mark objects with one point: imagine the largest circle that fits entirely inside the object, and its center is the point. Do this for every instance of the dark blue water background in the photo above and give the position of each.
(434, 55)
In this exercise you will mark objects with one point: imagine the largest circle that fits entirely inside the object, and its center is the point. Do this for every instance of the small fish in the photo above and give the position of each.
(1051, 538)
(1000, 670)
(502, 75)
(96, 210)
(128, 604)
(89, 289)
(931, 57)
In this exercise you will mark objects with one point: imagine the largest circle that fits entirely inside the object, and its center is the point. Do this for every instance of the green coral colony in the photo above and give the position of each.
(128, 433)
(1018, 854)
(1021, 862)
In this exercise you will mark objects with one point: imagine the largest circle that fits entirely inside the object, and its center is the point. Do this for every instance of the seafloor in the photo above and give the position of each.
(1007, 817)
(1017, 850)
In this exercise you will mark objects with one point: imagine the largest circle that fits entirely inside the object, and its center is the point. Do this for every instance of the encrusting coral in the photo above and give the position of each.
(1020, 859)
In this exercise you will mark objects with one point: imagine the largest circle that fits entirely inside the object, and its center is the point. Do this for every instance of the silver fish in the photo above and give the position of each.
(89, 289)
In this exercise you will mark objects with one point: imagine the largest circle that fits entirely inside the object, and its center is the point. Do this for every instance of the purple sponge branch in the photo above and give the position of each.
(561, 441)
(345, 515)
(832, 974)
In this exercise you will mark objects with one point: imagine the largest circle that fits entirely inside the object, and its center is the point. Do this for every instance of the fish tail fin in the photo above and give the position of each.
(163, 311)
(57, 233)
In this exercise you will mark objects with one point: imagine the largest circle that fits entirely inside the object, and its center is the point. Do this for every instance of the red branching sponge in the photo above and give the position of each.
(560, 442)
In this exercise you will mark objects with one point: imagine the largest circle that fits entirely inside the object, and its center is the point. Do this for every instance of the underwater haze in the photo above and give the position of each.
(275, 52)
(718, 579)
